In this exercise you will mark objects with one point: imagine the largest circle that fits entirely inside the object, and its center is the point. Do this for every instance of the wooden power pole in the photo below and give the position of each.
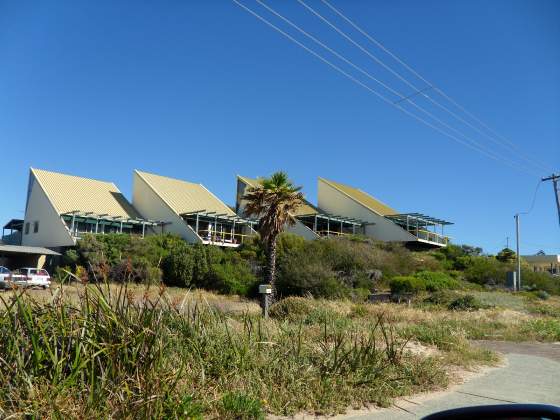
(555, 178)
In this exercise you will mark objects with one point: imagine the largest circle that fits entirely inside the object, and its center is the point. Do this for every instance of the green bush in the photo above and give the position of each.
(407, 284)
(178, 268)
(292, 308)
(483, 270)
(543, 295)
(437, 280)
(442, 297)
(232, 279)
(465, 303)
(240, 406)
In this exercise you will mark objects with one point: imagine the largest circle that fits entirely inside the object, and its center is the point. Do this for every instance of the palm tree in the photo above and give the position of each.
(273, 200)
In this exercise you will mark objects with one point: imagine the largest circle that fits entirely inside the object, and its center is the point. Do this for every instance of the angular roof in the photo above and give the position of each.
(19, 249)
(184, 197)
(361, 197)
(305, 209)
(69, 193)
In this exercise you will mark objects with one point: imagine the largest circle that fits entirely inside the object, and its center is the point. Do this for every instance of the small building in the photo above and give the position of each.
(542, 262)
(190, 210)
(382, 222)
(15, 229)
(61, 208)
(311, 222)
(17, 256)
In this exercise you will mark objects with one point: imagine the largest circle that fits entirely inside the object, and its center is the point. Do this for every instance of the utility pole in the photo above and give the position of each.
(554, 178)
(518, 256)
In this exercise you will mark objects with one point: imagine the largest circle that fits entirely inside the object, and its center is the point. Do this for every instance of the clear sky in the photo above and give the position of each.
(202, 91)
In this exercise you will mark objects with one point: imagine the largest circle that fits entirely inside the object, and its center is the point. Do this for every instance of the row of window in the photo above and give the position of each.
(35, 227)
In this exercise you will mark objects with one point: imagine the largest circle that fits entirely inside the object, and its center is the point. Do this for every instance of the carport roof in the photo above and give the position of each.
(18, 249)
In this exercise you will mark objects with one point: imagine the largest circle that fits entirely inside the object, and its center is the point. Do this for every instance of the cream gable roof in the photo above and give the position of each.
(69, 193)
(184, 197)
(305, 209)
(361, 197)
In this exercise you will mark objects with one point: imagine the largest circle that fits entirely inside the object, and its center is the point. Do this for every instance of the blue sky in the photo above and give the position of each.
(202, 91)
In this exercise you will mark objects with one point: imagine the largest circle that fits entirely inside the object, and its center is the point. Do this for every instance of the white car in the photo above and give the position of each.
(31, 277)
(4, 277)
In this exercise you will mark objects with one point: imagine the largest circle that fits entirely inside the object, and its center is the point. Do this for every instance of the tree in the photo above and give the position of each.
(506, 255)
(273, 200)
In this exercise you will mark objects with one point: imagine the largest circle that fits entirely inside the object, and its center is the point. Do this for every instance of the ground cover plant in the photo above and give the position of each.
(132, 352)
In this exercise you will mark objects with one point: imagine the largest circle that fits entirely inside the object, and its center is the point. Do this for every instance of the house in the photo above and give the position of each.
(311, 222)
(190, 210)
(542, 262)
(382, 222)
(60, 208)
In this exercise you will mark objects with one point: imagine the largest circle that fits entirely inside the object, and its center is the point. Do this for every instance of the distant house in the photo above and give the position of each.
(60, 208)
(311, 222)
(543, 263)
(190, 210)
(382, 222)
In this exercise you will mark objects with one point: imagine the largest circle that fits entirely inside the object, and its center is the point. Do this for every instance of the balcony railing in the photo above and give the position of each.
(430, 236)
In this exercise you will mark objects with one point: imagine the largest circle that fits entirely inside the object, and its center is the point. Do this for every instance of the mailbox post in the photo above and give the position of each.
(266, 291)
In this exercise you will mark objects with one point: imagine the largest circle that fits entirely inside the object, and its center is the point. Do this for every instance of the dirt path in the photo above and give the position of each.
(531, 375)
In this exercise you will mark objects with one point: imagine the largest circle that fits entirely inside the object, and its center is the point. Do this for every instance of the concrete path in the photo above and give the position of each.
(532, 375)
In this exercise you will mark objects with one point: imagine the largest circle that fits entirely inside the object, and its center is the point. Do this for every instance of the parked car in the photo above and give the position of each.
(30, 277)
(5, 274)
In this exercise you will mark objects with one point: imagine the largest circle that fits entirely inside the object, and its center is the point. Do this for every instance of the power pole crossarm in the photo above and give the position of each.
(555, 178)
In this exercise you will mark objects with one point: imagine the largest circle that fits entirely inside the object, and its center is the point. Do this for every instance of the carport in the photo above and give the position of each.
(16, 256)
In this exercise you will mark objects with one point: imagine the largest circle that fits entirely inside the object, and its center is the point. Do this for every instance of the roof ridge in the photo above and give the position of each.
(74, 176)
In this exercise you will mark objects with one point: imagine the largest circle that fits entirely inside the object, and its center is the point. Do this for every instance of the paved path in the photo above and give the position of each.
(532, 375)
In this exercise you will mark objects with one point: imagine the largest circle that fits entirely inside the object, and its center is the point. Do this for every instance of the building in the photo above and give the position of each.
(543, 263)
(16, 256)
(60, 208)
(381, 221)
(311, 222)
(190, 210)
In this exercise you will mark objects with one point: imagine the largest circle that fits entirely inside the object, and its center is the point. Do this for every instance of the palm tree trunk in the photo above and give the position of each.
(271, 268)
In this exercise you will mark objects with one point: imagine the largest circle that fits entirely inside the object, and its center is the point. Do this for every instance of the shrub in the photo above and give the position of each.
(482, 270)
(407, 284)
(442, 297)
(231, 279)
(178, 268)
(543, 295)
(437, 280)
(292, 308)
(240, 406)
(465, 303)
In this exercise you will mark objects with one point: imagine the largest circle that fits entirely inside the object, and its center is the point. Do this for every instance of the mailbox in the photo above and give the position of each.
(265, 289)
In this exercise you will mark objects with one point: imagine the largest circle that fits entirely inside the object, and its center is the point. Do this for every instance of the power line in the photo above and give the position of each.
(382, 97)
(367, 74)
(534, 198)
(497, 138)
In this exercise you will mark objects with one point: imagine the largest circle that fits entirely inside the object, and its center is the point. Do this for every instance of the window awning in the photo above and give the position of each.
(417, 219)
(221, 217)
(108, 219)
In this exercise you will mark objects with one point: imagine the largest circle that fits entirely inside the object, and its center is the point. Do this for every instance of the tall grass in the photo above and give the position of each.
(108, 354)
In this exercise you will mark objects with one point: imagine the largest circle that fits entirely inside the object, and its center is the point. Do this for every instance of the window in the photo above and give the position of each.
(27, 228)
(35, 226)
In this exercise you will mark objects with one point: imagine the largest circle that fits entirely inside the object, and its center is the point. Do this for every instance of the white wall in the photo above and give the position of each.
(151, 206)
(52, 229)
(302, 230)
(335, 202)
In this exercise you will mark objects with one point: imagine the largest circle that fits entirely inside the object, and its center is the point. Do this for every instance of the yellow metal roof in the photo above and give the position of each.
(361, 197)
(185, 197)
(70, 193)
(305, 209)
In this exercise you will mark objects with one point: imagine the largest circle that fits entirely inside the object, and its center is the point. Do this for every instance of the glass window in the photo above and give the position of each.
(27, 228)
(36, 226)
